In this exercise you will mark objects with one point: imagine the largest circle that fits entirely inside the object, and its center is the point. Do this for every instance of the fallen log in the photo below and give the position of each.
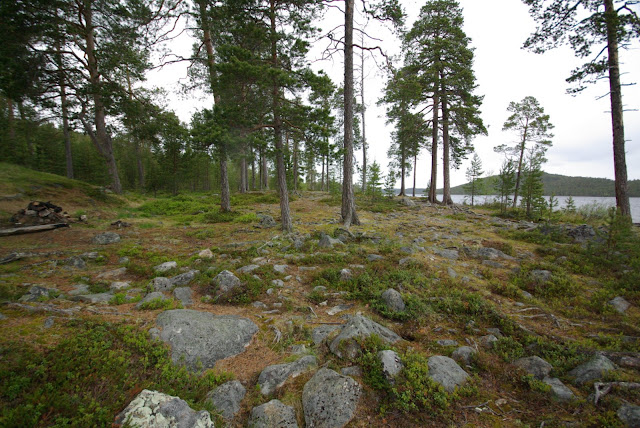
(31, 229)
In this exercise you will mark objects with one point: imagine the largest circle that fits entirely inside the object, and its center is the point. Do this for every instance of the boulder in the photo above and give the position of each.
(205, 254)
(619, 304)
(266, 221)
(488, 253)
(37, 293)
(76, 262)
(273, 414)
(153, 409)
(374, 257)
(114, 273)
(446, 372)
(183, 294)
(535, 366)
(594, 369)
(559, 389)
(247, 269)
(464, 355)
(226, 282)
(319, 334)
(407, 202)
(582, 233)
(160, 283)
(329, 399)
(447, 254)
(103, 298)
(118, 286)
(156, 295)
(184, 278)
(273, 377)
(164, 267)
(447, 342)
(346, 274)
(199, 339)
(541, 276)
(345, 344)
(630, 415)
(106, 238)
(352, 371)
(488, 341)
(79, 289)
(328, 242)
(227, 398)
(391, 364)
(280, 268)
(393, 300)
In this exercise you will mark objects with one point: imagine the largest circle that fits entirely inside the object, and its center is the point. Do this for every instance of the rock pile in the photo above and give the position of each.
(38, 213)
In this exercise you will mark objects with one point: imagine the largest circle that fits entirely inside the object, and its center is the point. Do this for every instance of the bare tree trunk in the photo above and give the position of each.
(243, 173)
(296, 143)
(322, 176)
(349, 215)
(617, 124)
(403, 170)
(520, 160)
(253, 170)
(434, 148)
(415, 161)
(264, 185)
(364, 136)
(285, 214)
(225, 197)
(446, 196)
(11, 122)
(101, 138)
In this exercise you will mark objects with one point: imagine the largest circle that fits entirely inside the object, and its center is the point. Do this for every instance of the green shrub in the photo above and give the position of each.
(508, 349)
(118, 299)
(158, 303)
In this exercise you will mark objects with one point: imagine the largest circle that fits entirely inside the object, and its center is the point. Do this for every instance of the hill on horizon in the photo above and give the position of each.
(561, 185)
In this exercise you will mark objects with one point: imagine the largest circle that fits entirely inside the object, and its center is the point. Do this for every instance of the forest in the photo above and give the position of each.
(73, 99)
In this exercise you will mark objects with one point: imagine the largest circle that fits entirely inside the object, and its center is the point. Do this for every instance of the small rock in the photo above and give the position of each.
(158, 410)
(277, 283)
(535, 366)
(165, 267)
(452, 273)
(447, 342)
(319, 334)
(495, 331)
(280, 268)
(38, 293)
(374, 257)
(273, 377)
(391, 364)
(338, 309)
(226, 282)
(408, 202)
(407, 261)
(205, 254)
(160, 283)
(247, 269)
(446, 372)
(183, 294)
(79, 289)
(328, 242)
(493, 264)
(593, 369)
(447, 254)
(48, 323)
(273, 414)
(259, 305)
(345, 344)
(630, 415)
(184, 278)
(118, 285)
(266, 221)
(103, 298)
(619, 304)
(106, 238)
(151, 296)
(227, 398)
(345, 274)
(115, 273)
(76, 262)
(393, 300)
(488, 341)
(123, 260)
(541, 276)
(92, 255)
(559, 390)
(464, 355)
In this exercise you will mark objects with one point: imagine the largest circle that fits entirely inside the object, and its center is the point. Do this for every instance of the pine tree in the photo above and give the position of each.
(473, 174)
(506, 183)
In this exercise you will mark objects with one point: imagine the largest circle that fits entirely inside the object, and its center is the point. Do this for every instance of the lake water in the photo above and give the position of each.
(578, 200)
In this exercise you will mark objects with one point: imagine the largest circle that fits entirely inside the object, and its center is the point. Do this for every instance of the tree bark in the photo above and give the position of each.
(617, 123)
(244, 172)
(349, 215)
(225, 198)
(403, 171)
(446, 196)
(434, 147)
(11, 122)
(296, 143)
(415, 161)
(519, 172)
(285, 214)
(364, 136)
(101, 138)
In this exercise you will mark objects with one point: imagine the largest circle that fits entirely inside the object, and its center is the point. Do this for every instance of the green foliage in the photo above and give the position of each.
(374, 181)
(159, 303)
(508, 349)
(506, 183)
(90, 376)
(118, 299)
(473, 173)
(534, 384)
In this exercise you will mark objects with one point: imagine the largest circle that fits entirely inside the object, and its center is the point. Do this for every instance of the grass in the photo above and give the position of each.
(90, 376)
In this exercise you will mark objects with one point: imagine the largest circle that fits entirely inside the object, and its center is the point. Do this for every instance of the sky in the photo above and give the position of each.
(582, 143)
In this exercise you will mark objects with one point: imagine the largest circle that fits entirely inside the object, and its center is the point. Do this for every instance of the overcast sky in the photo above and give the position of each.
(582, 145)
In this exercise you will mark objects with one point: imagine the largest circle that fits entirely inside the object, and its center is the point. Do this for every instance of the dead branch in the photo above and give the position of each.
(603, 388)
(31, 229)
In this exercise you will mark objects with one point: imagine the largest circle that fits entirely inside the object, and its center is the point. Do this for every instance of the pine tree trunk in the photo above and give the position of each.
(243, 173)
(11, 123)
(65, 113)
(364, 137)
(446, 197)
(295, 164)
(253, 170)
(434, 148)
(520, 160)
(349, 215)
(617, 124)
(285, 214)
(225, 198)
(140, 167)
(403, 171)
(264, 185)
(415, 161)
(101, 138)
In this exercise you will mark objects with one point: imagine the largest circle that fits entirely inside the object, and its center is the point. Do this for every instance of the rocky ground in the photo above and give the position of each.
(422, 316)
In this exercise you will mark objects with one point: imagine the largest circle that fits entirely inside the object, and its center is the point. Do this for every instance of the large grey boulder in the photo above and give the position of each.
(273, 377)
(153, 409)
(593, 369)
(76, 262)
(106, 238)
(630, 415)
(320, 333)
(582, 233)
(273, 414)
(391, 364)
(446, 372)
(393, 300)
(535, 366)
(266, 221)
(226, 282)
(329, 399)
(559, 390)
(345, 344)
(447, 254)
(247, 268)
(227, 398)
(160, 283)
(541, 276)
(487, 253)
(407, 202)
(374, 257)
(184, 278)
(164, 267)
(102, 298)
(199, 339)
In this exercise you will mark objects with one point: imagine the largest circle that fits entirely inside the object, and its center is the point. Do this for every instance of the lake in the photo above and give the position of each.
(578, 200)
